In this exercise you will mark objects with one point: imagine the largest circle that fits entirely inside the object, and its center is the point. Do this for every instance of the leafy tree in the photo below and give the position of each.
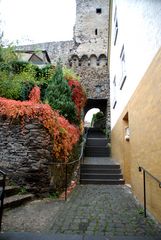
(17, 78)
(58, 95)
(96, 118)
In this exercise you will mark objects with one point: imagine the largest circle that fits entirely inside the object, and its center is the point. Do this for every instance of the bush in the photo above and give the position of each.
(17, 78)
(96, 119)
(10, 89)
(58, 95)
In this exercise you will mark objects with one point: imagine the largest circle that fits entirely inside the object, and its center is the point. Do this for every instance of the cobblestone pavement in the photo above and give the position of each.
(91, 210)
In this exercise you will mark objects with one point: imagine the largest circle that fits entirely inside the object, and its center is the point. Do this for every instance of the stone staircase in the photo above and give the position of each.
(98, 167)
(15, 197)
(101, 174)
(96, 145)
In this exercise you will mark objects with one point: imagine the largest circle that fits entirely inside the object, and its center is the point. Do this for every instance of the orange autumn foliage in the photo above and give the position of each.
(63, 133)
(78, 95)
(34, 95)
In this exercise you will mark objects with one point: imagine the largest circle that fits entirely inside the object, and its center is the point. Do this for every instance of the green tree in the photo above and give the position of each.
(58, 95)
(17, 78)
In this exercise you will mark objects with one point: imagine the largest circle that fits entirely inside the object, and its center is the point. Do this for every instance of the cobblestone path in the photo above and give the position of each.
(104, 210)
(99, 210)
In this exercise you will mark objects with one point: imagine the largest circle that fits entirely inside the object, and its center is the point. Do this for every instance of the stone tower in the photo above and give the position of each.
(88, 57)
(91, 28)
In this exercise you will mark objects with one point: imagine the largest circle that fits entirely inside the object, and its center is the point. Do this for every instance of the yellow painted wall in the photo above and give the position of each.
(144, 147)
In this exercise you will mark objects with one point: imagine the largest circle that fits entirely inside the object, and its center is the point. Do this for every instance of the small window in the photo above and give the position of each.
(114, 103)
(123, 69)
(96, 31)
(115, 26)
(98, 10)
(114, 81)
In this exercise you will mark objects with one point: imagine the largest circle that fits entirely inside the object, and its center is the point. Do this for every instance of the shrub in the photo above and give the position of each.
(96, 118)
(58, 95)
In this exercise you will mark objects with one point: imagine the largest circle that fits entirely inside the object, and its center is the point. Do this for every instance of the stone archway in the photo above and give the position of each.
(96, 103)
(101, 104)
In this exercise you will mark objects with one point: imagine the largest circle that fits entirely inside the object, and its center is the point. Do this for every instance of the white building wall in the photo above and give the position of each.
(139, 30)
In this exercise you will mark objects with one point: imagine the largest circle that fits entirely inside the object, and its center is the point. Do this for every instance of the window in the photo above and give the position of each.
(123, 71)
(96, 31)
(114, 103)
(98, 10)
(126, 127)
(114, 93)
(115, 26)
(114, 81)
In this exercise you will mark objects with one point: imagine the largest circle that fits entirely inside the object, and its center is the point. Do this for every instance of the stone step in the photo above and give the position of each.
(16, 200)
(97, 152)
(101, 171)
(56, 236)
(95, 132)
(11, 190)
(100, 176)
(96, 148)
(103, 181)
(96, 135)
(100, 166)
(102, 142)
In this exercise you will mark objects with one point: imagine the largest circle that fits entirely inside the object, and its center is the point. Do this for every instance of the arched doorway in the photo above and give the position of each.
(98, 104)
(101, 104)
(89, 115)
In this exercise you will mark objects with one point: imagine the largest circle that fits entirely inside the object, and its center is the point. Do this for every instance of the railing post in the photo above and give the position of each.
(144, 184)
(66, 180)
(2, 198)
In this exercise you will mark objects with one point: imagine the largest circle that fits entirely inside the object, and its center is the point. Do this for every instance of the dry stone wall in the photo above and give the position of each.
(94, 80)
(25, 153)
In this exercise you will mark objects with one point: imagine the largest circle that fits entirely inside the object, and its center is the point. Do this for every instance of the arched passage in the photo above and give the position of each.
(96, 103)
(89, 115)
(100, 104)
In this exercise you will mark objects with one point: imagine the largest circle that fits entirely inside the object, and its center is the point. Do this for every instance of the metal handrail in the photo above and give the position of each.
(2, 195)
(144, 184)
(81, 156)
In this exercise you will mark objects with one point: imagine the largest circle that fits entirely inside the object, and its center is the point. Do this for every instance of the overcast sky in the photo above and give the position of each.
(37, 21)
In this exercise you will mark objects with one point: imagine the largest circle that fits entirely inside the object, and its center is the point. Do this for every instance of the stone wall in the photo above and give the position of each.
(95, 81)
(25, 153)
(56, 50)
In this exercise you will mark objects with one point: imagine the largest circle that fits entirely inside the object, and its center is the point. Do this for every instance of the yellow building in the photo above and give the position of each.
(135, 83)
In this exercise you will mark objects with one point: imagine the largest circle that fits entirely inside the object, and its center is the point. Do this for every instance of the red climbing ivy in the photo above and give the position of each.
(64, 134)
(78, 95)
(34, 95)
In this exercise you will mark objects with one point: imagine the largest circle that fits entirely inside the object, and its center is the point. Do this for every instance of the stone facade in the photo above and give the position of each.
(91, 28)
(25, 152)
(56, 50)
